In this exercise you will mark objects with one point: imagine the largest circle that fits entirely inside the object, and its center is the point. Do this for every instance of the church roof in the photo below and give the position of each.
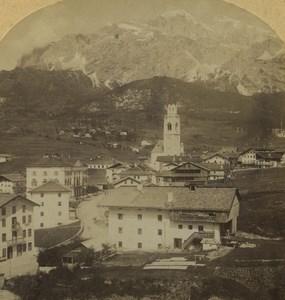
(159, 147)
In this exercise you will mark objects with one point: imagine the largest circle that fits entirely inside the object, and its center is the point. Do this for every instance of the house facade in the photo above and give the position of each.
(216, 159)
(186, 174)
(68, 172)
(17, 226)
(170, 218)
(53, 205)
(12, 183)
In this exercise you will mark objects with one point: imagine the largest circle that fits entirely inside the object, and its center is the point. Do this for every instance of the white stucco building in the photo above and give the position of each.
(69, 172)
(155, 218)
(16, 226)
(53, 200)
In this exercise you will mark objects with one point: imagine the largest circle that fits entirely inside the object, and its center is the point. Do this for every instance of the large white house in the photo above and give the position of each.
(171, 144)
(53, 200)
(153, 218)
(69, 172)
(17, 226)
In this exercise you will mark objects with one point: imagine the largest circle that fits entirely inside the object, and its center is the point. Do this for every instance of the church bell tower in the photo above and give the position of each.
(171, 133)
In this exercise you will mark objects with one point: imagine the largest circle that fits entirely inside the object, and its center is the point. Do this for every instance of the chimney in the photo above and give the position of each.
(170, 197)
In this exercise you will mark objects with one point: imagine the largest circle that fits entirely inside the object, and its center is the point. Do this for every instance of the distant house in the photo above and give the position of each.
(67, 171)
(53, 200)
(191, 173)
(17, 225)
(260, 158)
(170, 218)
(188, 173)
(127, 181)
(146, 143)
(247, 158)
(5, 158)
(100, 163)
(216, 159)
(113, 172)
(139, 172)
(163, 161)
(12, 183)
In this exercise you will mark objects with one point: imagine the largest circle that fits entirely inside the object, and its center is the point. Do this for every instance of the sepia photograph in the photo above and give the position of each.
(142, 149)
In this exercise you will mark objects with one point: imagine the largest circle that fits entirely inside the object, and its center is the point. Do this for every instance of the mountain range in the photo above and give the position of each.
(227, 54)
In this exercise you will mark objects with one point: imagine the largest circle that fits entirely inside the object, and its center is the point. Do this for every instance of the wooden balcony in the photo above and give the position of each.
(198, 217)
(16, 241)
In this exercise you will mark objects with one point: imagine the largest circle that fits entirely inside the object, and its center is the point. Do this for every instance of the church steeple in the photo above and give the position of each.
(171, 137)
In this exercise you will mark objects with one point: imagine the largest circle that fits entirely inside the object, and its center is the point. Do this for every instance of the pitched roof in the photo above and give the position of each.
(213, 166)
(159, 147)
(14, 177)
(57, 162)
(126, 178)
(270, 155)
(50, 186)
(202, 199)
(6, 198)
(136, 171)
(215, 154)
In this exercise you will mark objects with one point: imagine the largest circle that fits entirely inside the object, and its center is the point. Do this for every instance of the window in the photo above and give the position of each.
(159, 232)
(169, 126)
(24, 247)
(159, 217)
(24, 219)
(34, 182)
(139, 245)
(139, 230)
(42, 203)
(190, 227)
(45, 173)
(42, 194)
(23, 208)
(120, 244)
(14, 209)
(30, 246)
(42, 213)
(30, 232)
(3, 222)
(59, 203)
(4, 237)
(200, 228)
(120, 230)
(55, 173)
(42, 225)
(34, 173)
(139, 216)
(159, 246)
(3, 211)
(4, 253)
(59, 213)
(24, 233)
(120, 216)
(29, 219)
(59, 224)
(59, 194)
(180, 226)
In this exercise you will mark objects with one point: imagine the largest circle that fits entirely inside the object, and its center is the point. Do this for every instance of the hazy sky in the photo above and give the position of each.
(86, 16)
